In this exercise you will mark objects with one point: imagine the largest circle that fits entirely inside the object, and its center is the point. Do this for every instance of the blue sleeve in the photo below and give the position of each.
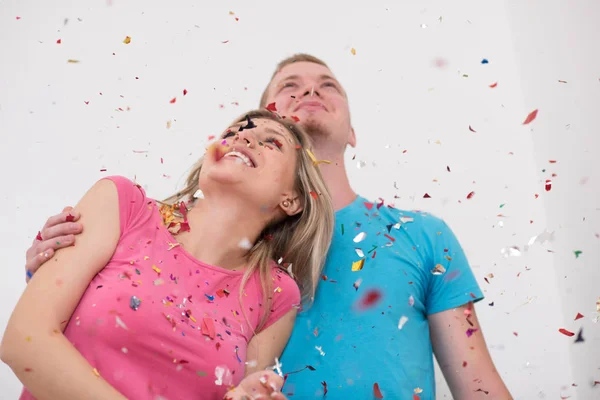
(451, 281)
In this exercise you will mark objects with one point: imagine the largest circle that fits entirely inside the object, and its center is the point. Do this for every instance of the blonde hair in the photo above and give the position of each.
(302, 240)
(300, 57)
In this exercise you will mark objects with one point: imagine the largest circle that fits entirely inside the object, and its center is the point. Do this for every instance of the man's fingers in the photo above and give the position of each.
(34, 263)
(272, 381)
(63, 229)
(58, 219)
(67, 209)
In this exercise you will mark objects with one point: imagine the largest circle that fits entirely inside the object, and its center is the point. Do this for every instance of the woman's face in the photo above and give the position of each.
(255, 159)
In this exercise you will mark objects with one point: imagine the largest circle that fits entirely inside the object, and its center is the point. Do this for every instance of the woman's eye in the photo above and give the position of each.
(275, 142)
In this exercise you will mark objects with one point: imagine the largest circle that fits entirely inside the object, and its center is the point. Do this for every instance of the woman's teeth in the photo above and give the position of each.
(241, 157)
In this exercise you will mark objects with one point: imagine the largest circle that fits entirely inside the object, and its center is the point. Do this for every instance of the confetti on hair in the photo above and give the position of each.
(314, 159)
(127, 40)
(314, 195)
(377, 391)
(532, 115)
(566, 332)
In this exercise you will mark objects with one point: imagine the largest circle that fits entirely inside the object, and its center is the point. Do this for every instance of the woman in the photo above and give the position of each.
(134, 311)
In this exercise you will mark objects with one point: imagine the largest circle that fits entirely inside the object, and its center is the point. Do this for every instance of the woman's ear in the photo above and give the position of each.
(291, 204)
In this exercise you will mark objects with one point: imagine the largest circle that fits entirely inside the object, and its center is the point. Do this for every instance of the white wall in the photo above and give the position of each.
(53, 145)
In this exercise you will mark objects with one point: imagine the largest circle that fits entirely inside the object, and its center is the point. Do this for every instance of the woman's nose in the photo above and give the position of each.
(247, 138)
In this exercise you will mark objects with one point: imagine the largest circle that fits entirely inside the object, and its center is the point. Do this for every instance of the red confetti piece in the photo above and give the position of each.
(28, 370)
(376, 391)
(173, 100)
(548, 185)
(470, 195)
(566, 332)
(314, 195)
(426, 196)
(368, 205)
(324, 387)
(552, 161)
(184, 92)
(271, 107)
(70, 218)
(471, 331)
(389, 237)
(58, 41)
(416, 397)
(86, 102)
(103, 170)
(370, 299)
(464, 364)
(471, 129)
(208, 327)
(18, 18)
(530, 117)
(211, 137)
(225, 41)
(448, 168)
(493, 85)
(39, 236)
(578, 316)
(296, 119)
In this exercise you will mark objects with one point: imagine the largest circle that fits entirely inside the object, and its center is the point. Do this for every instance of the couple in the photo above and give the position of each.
(186, 301)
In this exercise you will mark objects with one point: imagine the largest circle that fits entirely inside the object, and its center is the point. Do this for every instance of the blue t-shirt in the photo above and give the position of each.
(369, 325)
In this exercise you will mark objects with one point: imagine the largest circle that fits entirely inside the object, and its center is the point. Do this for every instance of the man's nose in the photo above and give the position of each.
(310, 91)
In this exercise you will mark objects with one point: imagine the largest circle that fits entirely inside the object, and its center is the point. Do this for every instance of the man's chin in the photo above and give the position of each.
(314, 128)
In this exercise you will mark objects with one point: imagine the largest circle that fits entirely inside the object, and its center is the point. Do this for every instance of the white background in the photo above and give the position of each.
(411, 115)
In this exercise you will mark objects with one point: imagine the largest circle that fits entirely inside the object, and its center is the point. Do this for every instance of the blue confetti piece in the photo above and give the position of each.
(485, 61)
(210, 298)
(236, 354)
(29, 274)
(134, 303)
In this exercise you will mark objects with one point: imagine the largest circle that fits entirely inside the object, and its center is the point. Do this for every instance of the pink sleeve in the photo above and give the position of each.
(132, 202)
(286, 296)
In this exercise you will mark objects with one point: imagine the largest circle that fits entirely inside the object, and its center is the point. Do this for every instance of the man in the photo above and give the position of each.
(396, 287)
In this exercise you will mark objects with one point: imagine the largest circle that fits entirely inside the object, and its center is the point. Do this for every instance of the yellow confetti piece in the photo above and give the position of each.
(314, 159)
(448, 258)
(146, 258)
(277, 289)
(353, 51)
(418, 390)
(96, 372)
(358, 265)
(28, 338)
(192, 318)
(71, 61)
(127, 40)
(158, 282)
(156, 269)
(168, 303)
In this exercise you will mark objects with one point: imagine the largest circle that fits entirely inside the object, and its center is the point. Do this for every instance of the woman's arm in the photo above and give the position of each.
(33, 344)
(269, 343)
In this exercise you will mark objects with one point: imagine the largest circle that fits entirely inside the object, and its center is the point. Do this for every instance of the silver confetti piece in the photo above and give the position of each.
(134, 303)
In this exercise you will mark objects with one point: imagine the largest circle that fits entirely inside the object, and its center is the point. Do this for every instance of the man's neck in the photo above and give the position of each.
(336, 179)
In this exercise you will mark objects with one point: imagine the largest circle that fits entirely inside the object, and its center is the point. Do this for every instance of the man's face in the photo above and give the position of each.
(310, 92)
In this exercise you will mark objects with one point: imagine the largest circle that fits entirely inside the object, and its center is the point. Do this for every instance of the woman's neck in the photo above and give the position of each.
(221, 232)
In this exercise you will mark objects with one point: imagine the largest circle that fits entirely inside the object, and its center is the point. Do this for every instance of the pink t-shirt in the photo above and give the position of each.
(158, 324)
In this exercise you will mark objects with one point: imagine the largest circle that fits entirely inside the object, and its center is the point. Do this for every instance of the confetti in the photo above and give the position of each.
(578, 316)
(245, 244)
(579, 338)
(127, 40)
(471, 331)
(59, 41)
(320, 350)
(356, 284)
(471, 129)
(360, 237)
(314, 195)
(577, 253)
(358, 265)
(566, 332)
(438, 270)
(411, 301)
(71, 61)
(185, 92)
(485, 61)
(173, 100)
(376, 391)
(271, 107)
(470, 195)
(314, 159)
(208, 327)
(512, 251)
(370, 299)
(359, 252)
(324, 387)
(548, 185)
(39, 236)
(403, 320)
(95, 371)
(353, 51)
(493, 85)
(134, 303)
(426, 196)
(121, 323)
(530, 117)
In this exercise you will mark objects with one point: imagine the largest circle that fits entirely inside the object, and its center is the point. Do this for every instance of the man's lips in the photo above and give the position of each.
(311, 105)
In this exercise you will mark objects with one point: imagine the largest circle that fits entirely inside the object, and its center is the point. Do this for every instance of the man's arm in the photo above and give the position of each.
(58, 232)
(461, 352)
(33, 344)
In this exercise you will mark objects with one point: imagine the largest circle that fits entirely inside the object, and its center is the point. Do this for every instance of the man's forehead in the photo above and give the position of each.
(302, 70)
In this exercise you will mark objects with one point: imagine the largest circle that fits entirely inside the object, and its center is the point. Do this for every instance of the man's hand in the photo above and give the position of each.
(58, 232)
(258, 385)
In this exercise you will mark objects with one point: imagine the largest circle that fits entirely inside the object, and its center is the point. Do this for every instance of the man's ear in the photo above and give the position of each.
(291, 204)
(352, 141)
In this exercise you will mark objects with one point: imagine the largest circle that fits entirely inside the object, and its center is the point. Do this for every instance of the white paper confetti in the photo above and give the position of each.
(245, 244)
(359, 252)
(121, 323)
(403, 320)
(406, 219)
(320, 349)
(360, 237)
(361, 164)
(411, 301)
(512, 251)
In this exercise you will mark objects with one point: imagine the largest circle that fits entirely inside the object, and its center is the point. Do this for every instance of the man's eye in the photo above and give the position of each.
(289, 84)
